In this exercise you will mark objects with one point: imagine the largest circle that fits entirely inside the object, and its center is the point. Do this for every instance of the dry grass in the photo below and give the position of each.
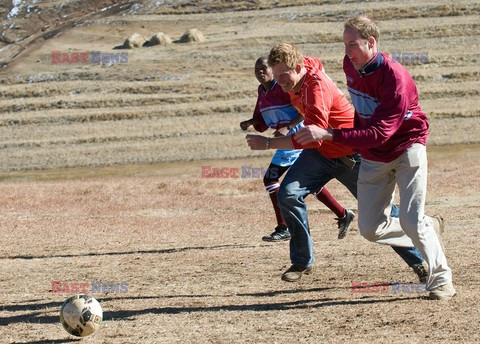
(184, 101)
(189, 248)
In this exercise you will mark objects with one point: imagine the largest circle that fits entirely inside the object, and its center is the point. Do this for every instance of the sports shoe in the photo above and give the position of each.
(295, 272)
(439, 226)
(444, 292)
(421, 271)
(344, 223)
(280, 234)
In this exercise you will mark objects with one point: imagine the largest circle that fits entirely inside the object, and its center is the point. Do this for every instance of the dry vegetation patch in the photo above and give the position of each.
(198, 93)
(83, 196)
(190, 250)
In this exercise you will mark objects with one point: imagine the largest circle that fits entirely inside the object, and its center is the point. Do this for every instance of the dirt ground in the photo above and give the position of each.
(190, 250)
(101, 178)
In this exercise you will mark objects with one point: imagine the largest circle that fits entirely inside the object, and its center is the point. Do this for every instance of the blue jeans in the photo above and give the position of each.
(308, 175)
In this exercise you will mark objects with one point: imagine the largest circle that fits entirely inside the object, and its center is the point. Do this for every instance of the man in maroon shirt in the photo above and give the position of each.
(390, 132)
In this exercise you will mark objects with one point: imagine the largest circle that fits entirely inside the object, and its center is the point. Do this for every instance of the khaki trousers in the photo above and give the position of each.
(376, 187)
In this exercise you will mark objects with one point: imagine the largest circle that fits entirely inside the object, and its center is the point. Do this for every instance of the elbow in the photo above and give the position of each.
(377, 138)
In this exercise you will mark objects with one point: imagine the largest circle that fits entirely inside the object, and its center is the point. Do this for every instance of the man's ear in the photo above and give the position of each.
(298, 68)
(371, 42)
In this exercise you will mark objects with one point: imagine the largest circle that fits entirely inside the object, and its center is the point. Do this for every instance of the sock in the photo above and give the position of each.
(326, 198)
(272, 190)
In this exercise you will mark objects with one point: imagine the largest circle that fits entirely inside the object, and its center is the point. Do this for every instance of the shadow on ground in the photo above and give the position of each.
(39, 317)
(116, 253)
(50, 341)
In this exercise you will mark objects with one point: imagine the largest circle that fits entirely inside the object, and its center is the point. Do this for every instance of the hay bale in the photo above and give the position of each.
(192, 35)
(160, 39)
(134, 41)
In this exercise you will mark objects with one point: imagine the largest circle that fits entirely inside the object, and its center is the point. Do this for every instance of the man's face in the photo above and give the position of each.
(286, 78)
(358, 49)
(263, 72)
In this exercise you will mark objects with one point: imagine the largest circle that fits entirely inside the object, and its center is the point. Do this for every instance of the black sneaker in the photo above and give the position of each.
(295, 272)
(280, 234)
(344, 223)
(421, 271)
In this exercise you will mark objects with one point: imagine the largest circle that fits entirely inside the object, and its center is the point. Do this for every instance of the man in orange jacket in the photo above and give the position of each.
(317, 97)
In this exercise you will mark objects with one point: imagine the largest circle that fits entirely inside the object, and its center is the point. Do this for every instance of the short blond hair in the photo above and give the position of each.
(365, 26)
(286, 53)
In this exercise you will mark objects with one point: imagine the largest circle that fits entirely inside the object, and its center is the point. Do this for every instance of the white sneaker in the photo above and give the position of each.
(444, 292)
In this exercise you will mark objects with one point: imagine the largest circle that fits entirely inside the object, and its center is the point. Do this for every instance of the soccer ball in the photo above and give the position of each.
(81, 315)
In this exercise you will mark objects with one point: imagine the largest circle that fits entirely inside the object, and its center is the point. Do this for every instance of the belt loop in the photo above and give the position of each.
(349, 162)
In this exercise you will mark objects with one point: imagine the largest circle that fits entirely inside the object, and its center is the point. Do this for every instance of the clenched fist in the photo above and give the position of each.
(257, 142)
(312, 133)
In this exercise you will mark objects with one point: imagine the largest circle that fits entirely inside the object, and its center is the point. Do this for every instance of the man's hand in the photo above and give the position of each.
(257, 142)
(244, 125)
(312, 133)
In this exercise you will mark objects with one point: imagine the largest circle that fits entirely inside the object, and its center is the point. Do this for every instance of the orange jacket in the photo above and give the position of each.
(322, 104)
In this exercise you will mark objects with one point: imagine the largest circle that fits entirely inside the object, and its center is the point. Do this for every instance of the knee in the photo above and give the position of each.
(367, 233)
(367, 229)
(408, 224)
(286, 196)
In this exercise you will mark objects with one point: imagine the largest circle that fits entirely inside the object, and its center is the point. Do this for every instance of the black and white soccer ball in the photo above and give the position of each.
(81, 315)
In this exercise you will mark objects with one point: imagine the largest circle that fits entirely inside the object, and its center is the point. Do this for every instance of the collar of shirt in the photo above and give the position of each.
(272, 85)
(372, 65)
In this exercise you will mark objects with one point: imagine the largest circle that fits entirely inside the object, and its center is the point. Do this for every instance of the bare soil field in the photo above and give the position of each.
(101, 175)
(190, 250)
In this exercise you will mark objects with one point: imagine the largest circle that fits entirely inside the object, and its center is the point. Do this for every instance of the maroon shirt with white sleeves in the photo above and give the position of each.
(388, 118)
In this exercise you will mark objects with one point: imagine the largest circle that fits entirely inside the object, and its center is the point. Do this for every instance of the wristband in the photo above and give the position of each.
(267, 145)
